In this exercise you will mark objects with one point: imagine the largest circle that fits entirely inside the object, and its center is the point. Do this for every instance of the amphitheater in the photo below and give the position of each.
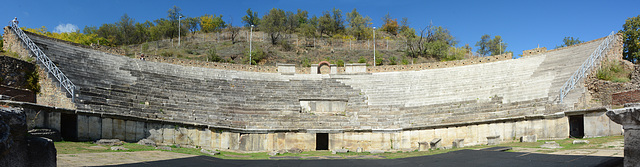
(242, 108)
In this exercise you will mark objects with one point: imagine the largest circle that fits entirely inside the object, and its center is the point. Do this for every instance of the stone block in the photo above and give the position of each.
(46, 133)
(140, 130)
(435, 143)
(423, 146)
(550, 144)
(115, 148)
(458, 143)
(41, 152)
(376, 151)
(119, 129)
(359, 150)
(493, 140)
(580, 141)
(531, 138)
(147, 142)
(168, 134)
(286, 68)
(95, 128)
(83, 128)
(340, 151)
(109, 142)
(130, 131)
(272, 153)
(294, 151)
(154, 131)
(210, 152)
(107, 128)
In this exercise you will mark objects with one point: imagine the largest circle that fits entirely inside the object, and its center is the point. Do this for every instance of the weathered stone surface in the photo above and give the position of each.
(272, 153)
(16, 149)
(458, 143)
(629, 118)
(147, 142)
(376, 151)
(210, 152)
(46, 133)
(359, 150)
(114, 148)
(340, 151)
(435, 143)
(530, 138)
(423, 146)
(294, 151)
(580, 141)
(109, 142)
(41, 152)
(493, 140)
(550, 144)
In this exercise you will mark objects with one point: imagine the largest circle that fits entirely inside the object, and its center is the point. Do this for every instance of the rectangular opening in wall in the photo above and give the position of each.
(69, 127)
(576, 126)
(322, 141)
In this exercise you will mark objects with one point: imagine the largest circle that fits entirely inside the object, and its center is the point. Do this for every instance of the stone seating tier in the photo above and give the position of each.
(250, 100)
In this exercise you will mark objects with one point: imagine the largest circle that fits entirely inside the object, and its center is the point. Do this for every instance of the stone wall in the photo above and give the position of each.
(50, 92)
(625, 97)
(93, 126)
(13, 71)
(435, 65)
(534, 51)
(17, 94)
(17, 148)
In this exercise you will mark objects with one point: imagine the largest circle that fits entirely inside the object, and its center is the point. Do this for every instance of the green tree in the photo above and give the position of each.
(568, 41)
(358, 25)
(209, 23)
(497, 46)
(405, 30)
(331, 22)
(192, 23)
(173, 16)
(251, 18)
(126, 28)
(631, 35)
(274, 24)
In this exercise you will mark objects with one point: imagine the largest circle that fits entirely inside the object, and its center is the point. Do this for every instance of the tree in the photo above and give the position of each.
(192, 23)
(126, 29)
(483, 44)
(497, 46)
(274, 24)
(209, 23)
(631, 35)
(568, 41)
(234, 31)
(405, 30)
(358, 25)
(488, 46)
(251, 18)
(331, 22)
(434, 41)
(173, 16)
(390, 25)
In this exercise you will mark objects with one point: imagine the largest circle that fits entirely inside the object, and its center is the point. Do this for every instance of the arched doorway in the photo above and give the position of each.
(324, 67)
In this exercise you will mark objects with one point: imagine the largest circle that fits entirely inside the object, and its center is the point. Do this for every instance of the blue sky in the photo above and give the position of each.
(522, 24)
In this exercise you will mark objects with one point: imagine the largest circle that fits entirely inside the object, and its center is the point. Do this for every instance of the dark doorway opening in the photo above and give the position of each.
(576, 126)
(69, 127)
(322, 141)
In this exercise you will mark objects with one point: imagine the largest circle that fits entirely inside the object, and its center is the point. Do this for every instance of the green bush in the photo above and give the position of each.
(362, 60)
(393, 60)
(145, 47)
(614, 71)
(340, 63)
(166, 53)
(32, 81)
(257, 55)
(306, 63)
(404, 60)
(286, 46)
(213, 56)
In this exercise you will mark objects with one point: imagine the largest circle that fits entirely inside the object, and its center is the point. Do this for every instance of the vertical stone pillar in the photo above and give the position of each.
(629, 118)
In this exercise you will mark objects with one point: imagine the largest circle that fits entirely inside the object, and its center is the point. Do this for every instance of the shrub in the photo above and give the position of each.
(613, 70)
(145, 47)
(404, 60)
(362, 60)
(393, 60)
(340, 63)
(305, 63)
(286, 46)
(213, 56)
(32, 81)
(257, 55)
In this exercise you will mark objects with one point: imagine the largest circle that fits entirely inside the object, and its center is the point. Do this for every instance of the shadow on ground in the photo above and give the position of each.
(477, 158)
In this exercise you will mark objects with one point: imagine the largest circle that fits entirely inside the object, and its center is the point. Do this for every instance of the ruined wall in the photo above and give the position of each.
(50, 92)
(622, 98)
(93, 126)
(19, 149)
